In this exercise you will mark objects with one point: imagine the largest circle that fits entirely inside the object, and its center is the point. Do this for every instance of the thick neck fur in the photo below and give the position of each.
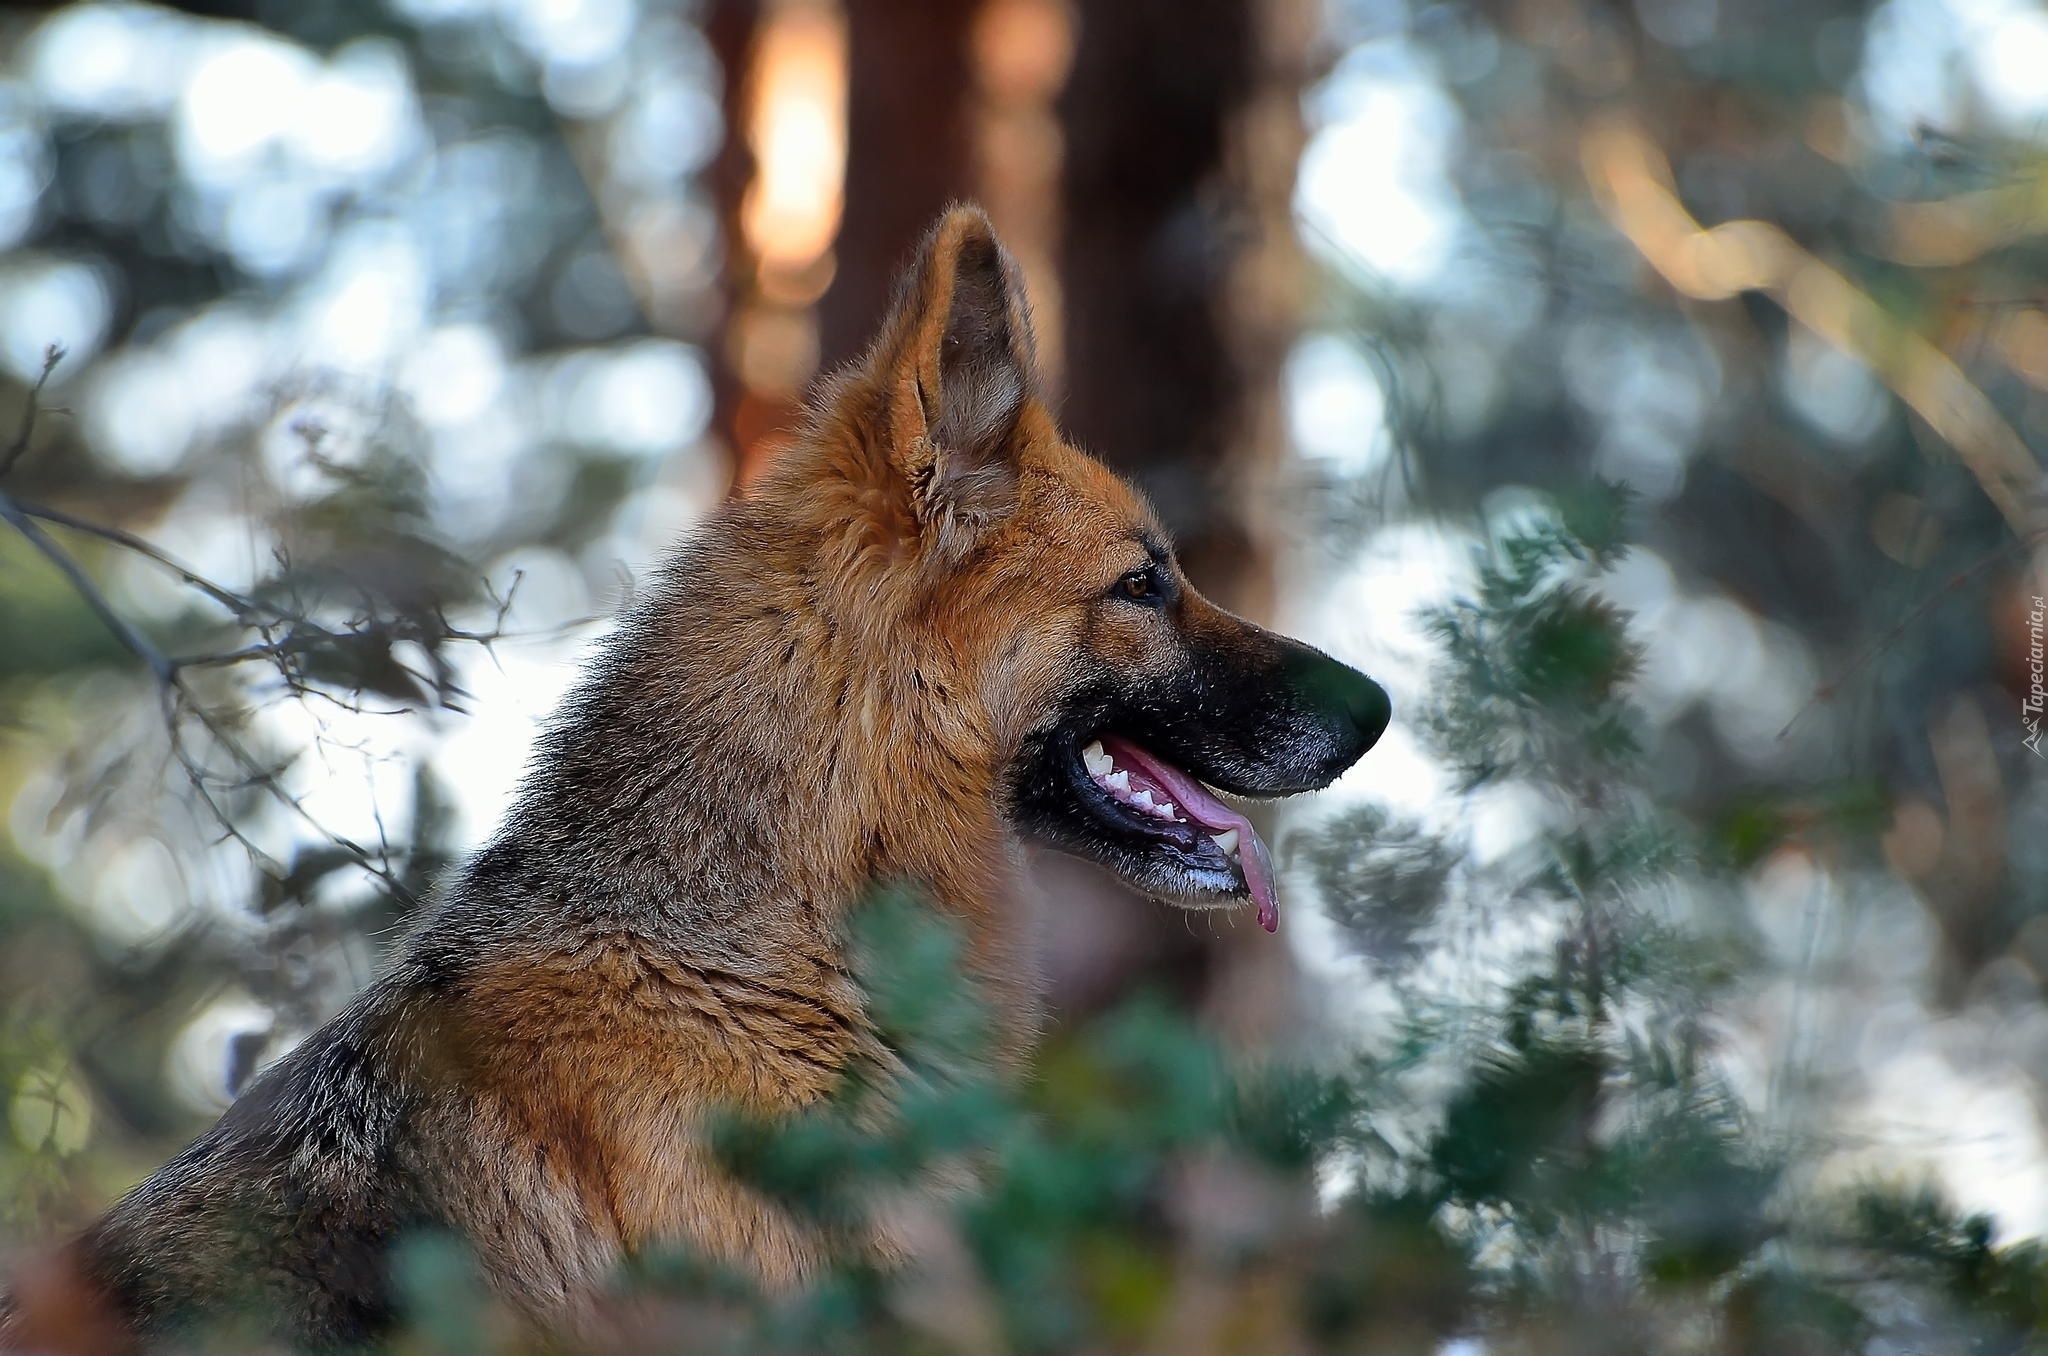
(776, 731)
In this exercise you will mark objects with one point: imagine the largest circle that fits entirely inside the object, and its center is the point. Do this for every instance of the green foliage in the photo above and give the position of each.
(1534, 663)
(1380, 877)
(1540, 1154)
(1068, 1172)
(1549, 1164)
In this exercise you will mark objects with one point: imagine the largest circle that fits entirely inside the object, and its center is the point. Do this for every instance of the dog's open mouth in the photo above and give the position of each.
(1141, 796)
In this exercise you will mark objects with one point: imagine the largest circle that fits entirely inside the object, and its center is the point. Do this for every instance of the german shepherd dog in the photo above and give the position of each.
(932, 632)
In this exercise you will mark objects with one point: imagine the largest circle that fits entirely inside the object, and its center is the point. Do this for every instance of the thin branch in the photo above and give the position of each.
(179, 705)
(131, 639)
(310, 637)
(1826, 691)
(1633, 184)
(52, 355)
(246, 609)
(266, 780)
(287, 635)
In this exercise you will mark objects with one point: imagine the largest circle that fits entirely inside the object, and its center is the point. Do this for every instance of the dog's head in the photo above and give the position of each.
(1056, 625)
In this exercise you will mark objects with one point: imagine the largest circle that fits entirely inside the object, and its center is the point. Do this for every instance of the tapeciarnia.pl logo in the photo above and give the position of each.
(2030, 706)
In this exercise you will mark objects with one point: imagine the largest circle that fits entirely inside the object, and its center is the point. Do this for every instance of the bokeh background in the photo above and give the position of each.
(394, 339)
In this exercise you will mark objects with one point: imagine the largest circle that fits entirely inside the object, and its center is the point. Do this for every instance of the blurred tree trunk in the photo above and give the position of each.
(1176, 283)
(1182, 132)
(1149, 235)
(732, 30)
(1178, 276)
(909, 152)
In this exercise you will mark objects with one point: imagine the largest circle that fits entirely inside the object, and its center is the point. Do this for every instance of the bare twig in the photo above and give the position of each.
(302, 636)
(1826, 691)
(246, 609)
(288, 634)
(52, 355)
(178, 703)
(131, 639)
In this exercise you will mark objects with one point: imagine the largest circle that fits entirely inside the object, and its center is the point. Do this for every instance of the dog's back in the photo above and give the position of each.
(635, 949)
(286, 1207)
(544, 1110)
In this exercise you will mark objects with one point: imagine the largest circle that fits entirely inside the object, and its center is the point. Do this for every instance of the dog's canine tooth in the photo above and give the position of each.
(1096, 761)
(1227, 840)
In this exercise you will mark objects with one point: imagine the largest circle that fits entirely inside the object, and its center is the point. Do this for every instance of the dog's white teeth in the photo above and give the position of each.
(1143, 800)
(1095, 760)
(1227, 840)
(1165, 810)
(1119, 782)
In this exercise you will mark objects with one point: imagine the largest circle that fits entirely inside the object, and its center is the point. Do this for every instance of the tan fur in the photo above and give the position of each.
(614, 1050)
(824, 694)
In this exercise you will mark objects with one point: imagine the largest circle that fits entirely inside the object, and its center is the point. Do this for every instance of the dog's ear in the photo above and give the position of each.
(955, 363)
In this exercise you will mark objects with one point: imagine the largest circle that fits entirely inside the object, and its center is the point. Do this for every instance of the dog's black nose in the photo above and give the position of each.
(1366, 703)
(1355, 704)
(1352, 707)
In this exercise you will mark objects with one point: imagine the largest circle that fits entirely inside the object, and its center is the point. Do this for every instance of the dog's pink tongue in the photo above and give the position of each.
(1196, 802)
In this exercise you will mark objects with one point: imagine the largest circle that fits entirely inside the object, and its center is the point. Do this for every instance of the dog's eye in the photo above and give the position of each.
(1141, 586)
